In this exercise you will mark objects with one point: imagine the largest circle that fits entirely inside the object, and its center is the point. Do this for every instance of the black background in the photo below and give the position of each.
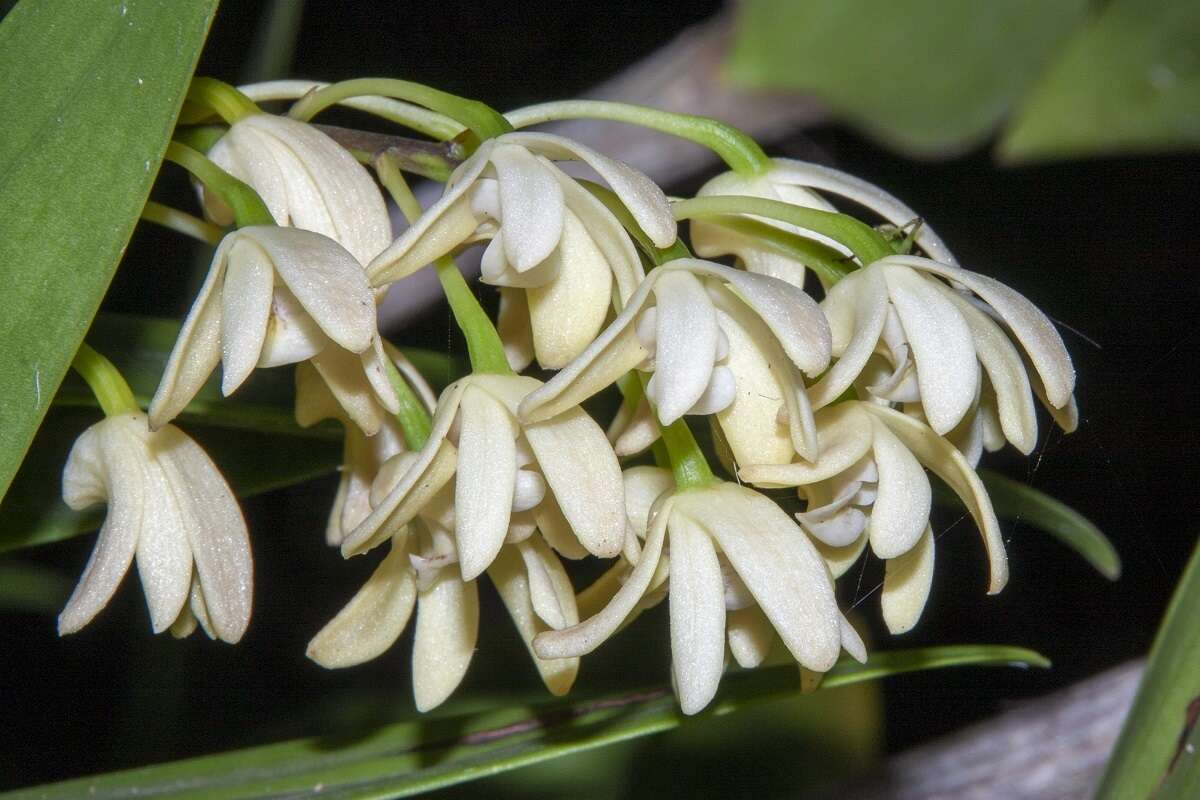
(1107, 247)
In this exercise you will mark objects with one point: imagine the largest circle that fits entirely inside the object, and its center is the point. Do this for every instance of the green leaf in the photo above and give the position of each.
(32, 588)
(90, 91)
(1152, 752)
(1128, 82)
(418, 756)
(1017, 501)
(926, 76)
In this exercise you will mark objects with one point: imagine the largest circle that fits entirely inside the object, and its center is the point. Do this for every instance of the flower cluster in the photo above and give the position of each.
(907, 365)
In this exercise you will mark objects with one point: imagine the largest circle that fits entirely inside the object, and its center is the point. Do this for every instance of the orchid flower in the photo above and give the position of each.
(169, 506)
(277, 296)
(869, 485)
(935, 343)
(562, 469)
(306, 179)
(717, 341)
(729, 549)
(555, 250)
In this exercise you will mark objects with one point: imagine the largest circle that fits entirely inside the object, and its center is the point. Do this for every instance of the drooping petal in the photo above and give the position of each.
(697, 606)
(941, 457)
(606, 234)
(852, 643)
(778, 564)
(1033, 329)
(833, 521)
(531, 204)
(567, 313)
(633, 432)
(330, 283)
(514, 328)
(841, 559)
(643, 486)
(245, 309)
(642, 196)
(197, 350)
(343, 374)
(827, 179)
(942, 347)
(447, 627)
(442, 227)
(864, 293)
(581, 639)
(217, 532)
(750, 636)
(292, 335)
(550, 589)
(900, 512)
(556, 530)
(487, 471)
(585, 477)
(512, 583)
(906, 584)
(686, 344)
(103, 467)
(373, 619)
(845, 436)
(164, 552)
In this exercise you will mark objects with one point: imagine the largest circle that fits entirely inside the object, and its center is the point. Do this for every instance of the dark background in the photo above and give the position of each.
(1106, 247)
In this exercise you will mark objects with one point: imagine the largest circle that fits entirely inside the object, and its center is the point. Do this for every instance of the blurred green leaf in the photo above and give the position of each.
(270, 57)
(1127, 82)
(1152, 752)
(32, 588)
(1020, 502)
(90, 90)
(926, 76)
(418, 756)
(252, 436)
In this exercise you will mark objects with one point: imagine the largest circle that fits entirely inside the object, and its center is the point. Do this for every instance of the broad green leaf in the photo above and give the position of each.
(252, 436)
(89, 90)
(408, 758)
(1017, 501)
(926, 76)
(1152, 751)
(1128, 82)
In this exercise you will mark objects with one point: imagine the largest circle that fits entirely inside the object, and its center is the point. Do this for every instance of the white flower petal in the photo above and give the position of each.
(606, 234)
(585, 477)
(906, 585)
(292, 335)
(845, 436)
(900, 512)
(328, 281)
(343, 374)
(1032, 328)
(509, 576)
(643, 486)
(750, 636)
(531, 204)
(373, 363)
(581, 639)
(217, 532)
(556, 530)
(841, 559)
(245, 309)
(197, 349)
(104, 465)
(567, 313)
(852, 643)
(514, 328)
(635, 433)
(778, 565)
(697, 606)
(942, 347)
(686, 336)
(550, 589)
(865, 292)
(947, 463)
(484, 485)
(642, 196)
(447, 627)
(373, 619)
(164, 554)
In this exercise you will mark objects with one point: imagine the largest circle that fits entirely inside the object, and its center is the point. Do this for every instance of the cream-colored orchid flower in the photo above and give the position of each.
(502, 468)
(718, 341)
(555, 250)
(930, 340)
(422, 569)
(306, 179)
(362, 455)
(869, 486)
(169, 506)
(798, 183)
(729, 549)
(277, 296)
